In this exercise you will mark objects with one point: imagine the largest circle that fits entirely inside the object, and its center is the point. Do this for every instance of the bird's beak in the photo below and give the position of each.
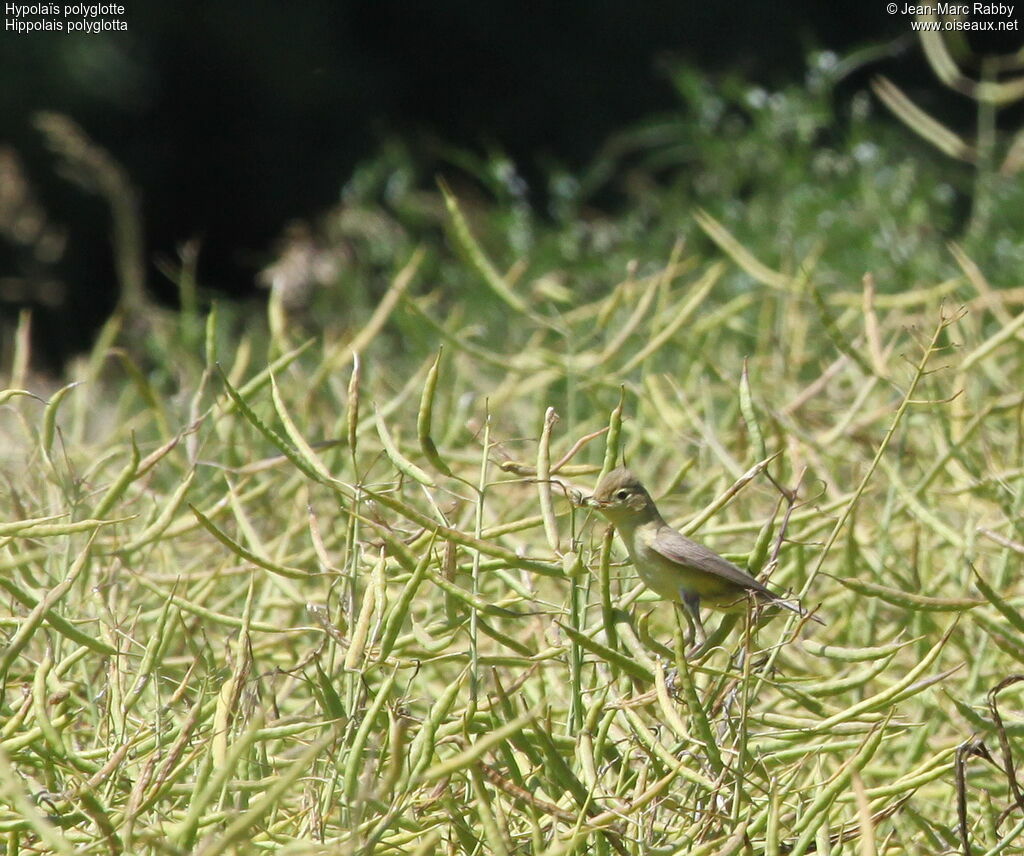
(592, 502)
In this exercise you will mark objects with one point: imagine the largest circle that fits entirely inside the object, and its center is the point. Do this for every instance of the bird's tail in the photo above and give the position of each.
(793, 606)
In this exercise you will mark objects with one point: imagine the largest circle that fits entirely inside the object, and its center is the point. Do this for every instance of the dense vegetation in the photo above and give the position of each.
(222, 635)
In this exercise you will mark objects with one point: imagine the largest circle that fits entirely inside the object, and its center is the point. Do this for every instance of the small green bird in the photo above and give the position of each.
(669, 563)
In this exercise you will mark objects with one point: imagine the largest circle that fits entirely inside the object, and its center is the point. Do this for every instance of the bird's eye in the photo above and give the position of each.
(622, 495)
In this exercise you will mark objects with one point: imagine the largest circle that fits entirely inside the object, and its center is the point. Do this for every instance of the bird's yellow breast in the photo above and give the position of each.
(672, 579)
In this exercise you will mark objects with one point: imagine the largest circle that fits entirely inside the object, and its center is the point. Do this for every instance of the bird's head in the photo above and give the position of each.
(623, 499)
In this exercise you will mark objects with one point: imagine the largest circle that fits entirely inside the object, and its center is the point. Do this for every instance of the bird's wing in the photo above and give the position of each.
(679, 549)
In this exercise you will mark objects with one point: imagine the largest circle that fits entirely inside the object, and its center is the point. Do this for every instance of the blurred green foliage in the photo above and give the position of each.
(798, 176)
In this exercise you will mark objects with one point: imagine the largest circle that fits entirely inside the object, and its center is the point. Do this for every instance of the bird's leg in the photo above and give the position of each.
(698, 638)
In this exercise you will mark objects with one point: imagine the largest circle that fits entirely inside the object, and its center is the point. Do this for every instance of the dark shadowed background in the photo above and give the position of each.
(233, 118)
